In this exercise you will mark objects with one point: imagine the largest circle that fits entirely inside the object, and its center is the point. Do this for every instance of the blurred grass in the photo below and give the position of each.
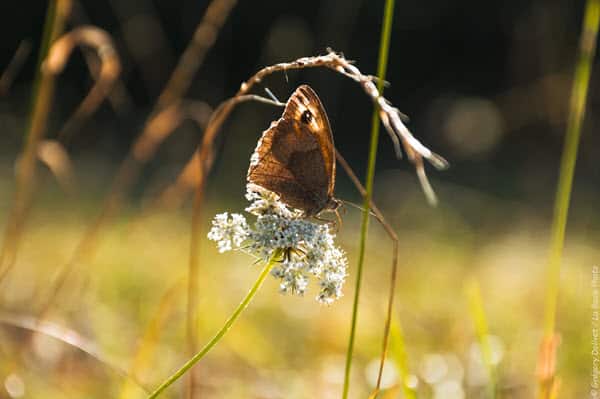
(292, 347)
(41, 102)
(276, 257)
(579, 92)
(125, 303)
(477, 312)
(398, 347)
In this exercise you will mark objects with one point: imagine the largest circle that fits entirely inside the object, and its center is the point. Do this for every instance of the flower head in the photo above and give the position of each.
(229, 233)
(308, 247)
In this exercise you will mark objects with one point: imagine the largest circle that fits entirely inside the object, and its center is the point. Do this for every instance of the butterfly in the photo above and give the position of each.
(295, 157)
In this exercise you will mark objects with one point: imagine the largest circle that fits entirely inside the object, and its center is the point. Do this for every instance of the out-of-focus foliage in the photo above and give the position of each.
(485, 84)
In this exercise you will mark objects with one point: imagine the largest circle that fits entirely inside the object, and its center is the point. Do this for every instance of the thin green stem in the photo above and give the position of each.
(567, 165)
(579, 90)
(386, 31)
(219, 335)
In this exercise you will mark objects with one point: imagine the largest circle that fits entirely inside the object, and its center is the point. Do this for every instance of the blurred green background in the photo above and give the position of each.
(485, 84)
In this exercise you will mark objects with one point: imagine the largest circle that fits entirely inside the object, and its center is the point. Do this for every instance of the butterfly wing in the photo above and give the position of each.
(306, 100)
(295, 157)
(288, 161)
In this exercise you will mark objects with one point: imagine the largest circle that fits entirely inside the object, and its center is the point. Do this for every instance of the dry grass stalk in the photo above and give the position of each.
(68, 337)
(14, 66)
(52, 154)
(546, 367)
(205, 35)
(148, 343)
(155, 132)
(109, 70)
(118, 97)
(36, 131)
(187, 180)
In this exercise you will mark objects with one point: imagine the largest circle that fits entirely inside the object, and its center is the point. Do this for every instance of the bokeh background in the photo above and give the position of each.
(485, 84)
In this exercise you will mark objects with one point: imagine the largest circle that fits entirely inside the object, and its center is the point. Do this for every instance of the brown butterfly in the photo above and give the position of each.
(295, 157)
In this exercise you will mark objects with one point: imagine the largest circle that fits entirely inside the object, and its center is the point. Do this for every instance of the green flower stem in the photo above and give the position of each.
(236, 313)
(381, 70)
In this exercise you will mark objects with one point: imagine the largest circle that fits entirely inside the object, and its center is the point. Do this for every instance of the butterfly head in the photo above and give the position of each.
(330, 204)
(333, 204)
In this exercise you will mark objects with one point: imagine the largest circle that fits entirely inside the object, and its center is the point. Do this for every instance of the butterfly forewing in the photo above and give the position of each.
(305, 106)
(295, 157)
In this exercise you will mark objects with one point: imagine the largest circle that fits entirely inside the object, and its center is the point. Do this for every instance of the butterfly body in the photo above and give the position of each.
(295, 157)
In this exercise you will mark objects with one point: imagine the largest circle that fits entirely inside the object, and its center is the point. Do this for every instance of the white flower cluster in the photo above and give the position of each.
(228, 233)
(308, 248)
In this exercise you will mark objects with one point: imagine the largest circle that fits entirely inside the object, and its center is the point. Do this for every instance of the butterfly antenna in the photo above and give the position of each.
(270, 93)
(352, 204)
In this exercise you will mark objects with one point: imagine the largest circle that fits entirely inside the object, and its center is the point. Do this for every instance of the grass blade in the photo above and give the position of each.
(384, 45)
(477, 312)
(398, 346)
(579, 90)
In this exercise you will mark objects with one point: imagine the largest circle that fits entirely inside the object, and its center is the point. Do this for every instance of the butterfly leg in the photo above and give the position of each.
(335, 224)
(392, 235)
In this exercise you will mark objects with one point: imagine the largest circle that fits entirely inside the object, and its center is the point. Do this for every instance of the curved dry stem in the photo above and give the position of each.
(389, 115)
(118, 97)
(53, 154)
(164, 123)
(193, 172)
(394, 271)
(68, 337)
(110, 68)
